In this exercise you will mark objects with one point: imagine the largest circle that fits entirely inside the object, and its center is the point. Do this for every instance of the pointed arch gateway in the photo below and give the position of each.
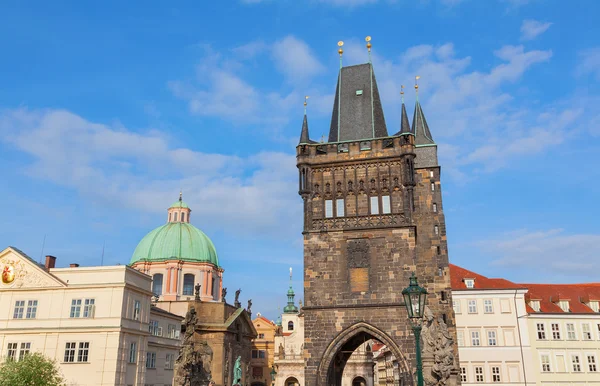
(333, 361)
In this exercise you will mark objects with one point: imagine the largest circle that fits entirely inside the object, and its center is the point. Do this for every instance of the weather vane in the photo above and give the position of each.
(402, 92)
(340, 51)
(305, 103)
(368, 40)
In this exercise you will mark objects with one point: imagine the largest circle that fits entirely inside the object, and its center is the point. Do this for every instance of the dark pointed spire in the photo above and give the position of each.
(404, 125)
(304, 137)
(419, 125)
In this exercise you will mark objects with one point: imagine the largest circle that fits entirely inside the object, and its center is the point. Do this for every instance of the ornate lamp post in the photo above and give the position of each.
(414, 300)
(273, 374)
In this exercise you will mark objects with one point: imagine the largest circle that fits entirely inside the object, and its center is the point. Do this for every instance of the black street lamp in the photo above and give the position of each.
(273, 374)
(414, 300)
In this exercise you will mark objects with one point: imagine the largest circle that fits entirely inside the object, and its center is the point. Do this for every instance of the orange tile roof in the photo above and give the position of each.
(578, 295)
(458, 274)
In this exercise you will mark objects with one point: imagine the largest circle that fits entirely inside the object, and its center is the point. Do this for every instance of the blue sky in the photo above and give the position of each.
(107, 109)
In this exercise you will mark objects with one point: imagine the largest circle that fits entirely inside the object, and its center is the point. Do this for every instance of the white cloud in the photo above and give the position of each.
(548, 250)
(293, 57)
(145, 171)
(589, 62)
(530, 29)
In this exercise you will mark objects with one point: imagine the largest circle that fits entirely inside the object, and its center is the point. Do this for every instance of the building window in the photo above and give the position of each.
(488, 307)
(169, 217)
(137, 308)
(157, 282)
(541, 331)
(438, 250)
(172, 331)
(26, 347)
(386, 207)
(475, 338)
(456, 306)
(70, 352)
(576, 363)
(571, 335)
(592, 363)
(290, 326)
(75, 308)
(545, 359)
(434, 208)
(19, 309)
(472, 306)
(436, 229)
(460, 338)
(150, 360)
(188, 284)
(89, 307)
(564, 305)
(261, 336)
(339, 207)
(479, 374)
(12, 351)
(535, 304)
(132, 352)
(595, 306)
(463, 374)
(555, 331)
(328, 208)
(212, 286)
(492, 338)
(374, 205)
(169, 361)
(496, 374)
(259, 354)
(31, 309)
(470, 283)
(84, 350)
(175, 216)
(586, 331)
(153, 327)
(433, 186)
(182, 217)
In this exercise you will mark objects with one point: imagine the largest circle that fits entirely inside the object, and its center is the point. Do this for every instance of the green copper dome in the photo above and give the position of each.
(176, 241)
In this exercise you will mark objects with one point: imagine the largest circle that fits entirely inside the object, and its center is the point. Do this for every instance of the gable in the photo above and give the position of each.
(19, 271)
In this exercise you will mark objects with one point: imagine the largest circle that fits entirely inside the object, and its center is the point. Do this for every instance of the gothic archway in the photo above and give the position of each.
(333, 361)
(291, 381)
(359, 381)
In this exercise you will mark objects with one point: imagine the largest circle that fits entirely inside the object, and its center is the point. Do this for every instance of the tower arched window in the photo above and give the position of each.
(175, 216)
(157, 283)
(182, 217)
(188, 284)
(290, 326)
(212, 286)
(169, 217)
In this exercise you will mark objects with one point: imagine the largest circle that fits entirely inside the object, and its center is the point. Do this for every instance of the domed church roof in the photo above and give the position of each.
(176, 240)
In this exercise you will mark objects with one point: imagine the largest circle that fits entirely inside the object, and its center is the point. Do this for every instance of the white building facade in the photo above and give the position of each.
(94, 321)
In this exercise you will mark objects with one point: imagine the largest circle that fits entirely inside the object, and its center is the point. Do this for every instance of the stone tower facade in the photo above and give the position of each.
(373, 214)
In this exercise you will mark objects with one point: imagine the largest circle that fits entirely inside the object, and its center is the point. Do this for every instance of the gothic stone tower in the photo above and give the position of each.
(373, 214)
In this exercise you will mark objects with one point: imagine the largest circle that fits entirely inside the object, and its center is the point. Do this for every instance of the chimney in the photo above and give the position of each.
(73, 265)
(50, 262)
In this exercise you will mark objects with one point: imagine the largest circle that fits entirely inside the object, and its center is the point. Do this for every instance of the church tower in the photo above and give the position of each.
(373, 215)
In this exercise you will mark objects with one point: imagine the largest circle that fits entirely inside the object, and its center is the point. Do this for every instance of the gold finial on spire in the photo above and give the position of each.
(402, 92)
(417, 82)
(305, 103)
(340, 50)
(368, 40)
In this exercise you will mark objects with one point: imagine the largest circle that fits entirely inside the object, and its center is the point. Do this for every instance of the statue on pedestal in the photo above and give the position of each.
(237, 371)
(192, 366)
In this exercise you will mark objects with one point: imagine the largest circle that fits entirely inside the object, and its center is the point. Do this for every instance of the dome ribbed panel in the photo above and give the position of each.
(178, 241)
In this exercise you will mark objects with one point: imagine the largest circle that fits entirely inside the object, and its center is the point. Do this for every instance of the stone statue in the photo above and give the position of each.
(237, 371)
(193, 364)
(223, 294)
(190, 324)
(437, 349)
(249, 306)
(281, 351)
(236, 302)
(197, 288)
